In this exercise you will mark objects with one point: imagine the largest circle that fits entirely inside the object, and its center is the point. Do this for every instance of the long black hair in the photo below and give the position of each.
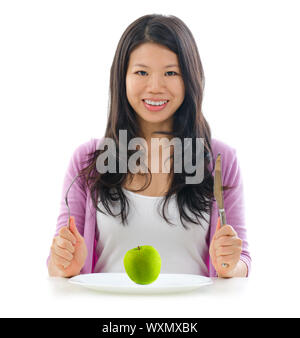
(188, 120)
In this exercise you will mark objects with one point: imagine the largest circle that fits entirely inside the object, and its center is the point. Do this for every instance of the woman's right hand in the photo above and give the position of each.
(68, 251)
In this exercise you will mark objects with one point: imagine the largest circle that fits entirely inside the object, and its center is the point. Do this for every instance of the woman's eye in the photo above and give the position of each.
(141, 71)
(172, 72)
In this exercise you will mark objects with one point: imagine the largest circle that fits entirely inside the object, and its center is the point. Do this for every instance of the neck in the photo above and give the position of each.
(148, 130)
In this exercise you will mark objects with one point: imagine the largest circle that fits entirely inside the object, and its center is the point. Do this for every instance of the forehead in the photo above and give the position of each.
(152, 54)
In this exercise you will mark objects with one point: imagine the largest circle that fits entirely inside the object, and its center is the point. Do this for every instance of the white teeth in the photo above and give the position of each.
(153, 103)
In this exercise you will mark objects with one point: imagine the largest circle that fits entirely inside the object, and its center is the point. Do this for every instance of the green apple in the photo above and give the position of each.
(142, 264)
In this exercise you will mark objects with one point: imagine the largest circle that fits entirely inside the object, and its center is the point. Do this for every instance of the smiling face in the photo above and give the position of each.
(153, 73)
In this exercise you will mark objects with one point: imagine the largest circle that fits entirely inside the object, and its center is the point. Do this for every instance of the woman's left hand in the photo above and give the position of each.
(225, 247)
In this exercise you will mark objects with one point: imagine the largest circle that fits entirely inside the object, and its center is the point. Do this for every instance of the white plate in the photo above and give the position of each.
(121, 283)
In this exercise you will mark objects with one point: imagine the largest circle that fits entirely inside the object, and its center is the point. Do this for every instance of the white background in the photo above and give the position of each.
(55, 59)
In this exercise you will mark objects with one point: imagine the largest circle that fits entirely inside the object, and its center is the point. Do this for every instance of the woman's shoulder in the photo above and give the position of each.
(83, 151)
(87, 147)
(227, 151)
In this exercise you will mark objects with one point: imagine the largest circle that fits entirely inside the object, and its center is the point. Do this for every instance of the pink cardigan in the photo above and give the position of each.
(81, 207)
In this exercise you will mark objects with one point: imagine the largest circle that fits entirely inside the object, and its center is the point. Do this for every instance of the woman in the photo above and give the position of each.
(156, 91)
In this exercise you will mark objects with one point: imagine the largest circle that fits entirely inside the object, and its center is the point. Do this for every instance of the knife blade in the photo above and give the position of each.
(218, 193)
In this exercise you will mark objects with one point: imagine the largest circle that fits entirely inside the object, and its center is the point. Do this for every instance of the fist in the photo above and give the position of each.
(68, 250)
(225, 247)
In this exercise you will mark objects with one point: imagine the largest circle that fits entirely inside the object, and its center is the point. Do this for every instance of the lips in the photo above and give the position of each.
(155, 108)
(155, 100)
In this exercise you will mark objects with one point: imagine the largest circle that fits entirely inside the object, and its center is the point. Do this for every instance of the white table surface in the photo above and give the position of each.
(44, 296)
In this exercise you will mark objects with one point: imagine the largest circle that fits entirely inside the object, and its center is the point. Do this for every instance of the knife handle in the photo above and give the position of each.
(222, 217)
(223, 222)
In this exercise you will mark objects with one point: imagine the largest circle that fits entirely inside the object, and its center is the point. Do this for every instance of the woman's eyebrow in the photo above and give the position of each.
(141, 65)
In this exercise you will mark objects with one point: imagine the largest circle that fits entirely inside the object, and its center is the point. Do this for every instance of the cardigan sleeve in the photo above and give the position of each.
(235, 206)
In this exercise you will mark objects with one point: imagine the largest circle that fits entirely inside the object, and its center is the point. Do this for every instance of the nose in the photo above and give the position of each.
(156, 82)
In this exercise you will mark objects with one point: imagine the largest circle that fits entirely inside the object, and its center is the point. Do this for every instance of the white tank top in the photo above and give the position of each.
(181, 251)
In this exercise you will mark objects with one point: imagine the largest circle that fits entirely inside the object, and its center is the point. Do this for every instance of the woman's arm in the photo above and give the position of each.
(76, 199)
(228, 244)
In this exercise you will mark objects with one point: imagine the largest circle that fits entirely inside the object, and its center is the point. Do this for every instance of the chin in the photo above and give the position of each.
(152, 118)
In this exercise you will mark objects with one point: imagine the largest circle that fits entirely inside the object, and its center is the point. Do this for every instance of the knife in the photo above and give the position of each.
(218, 193)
